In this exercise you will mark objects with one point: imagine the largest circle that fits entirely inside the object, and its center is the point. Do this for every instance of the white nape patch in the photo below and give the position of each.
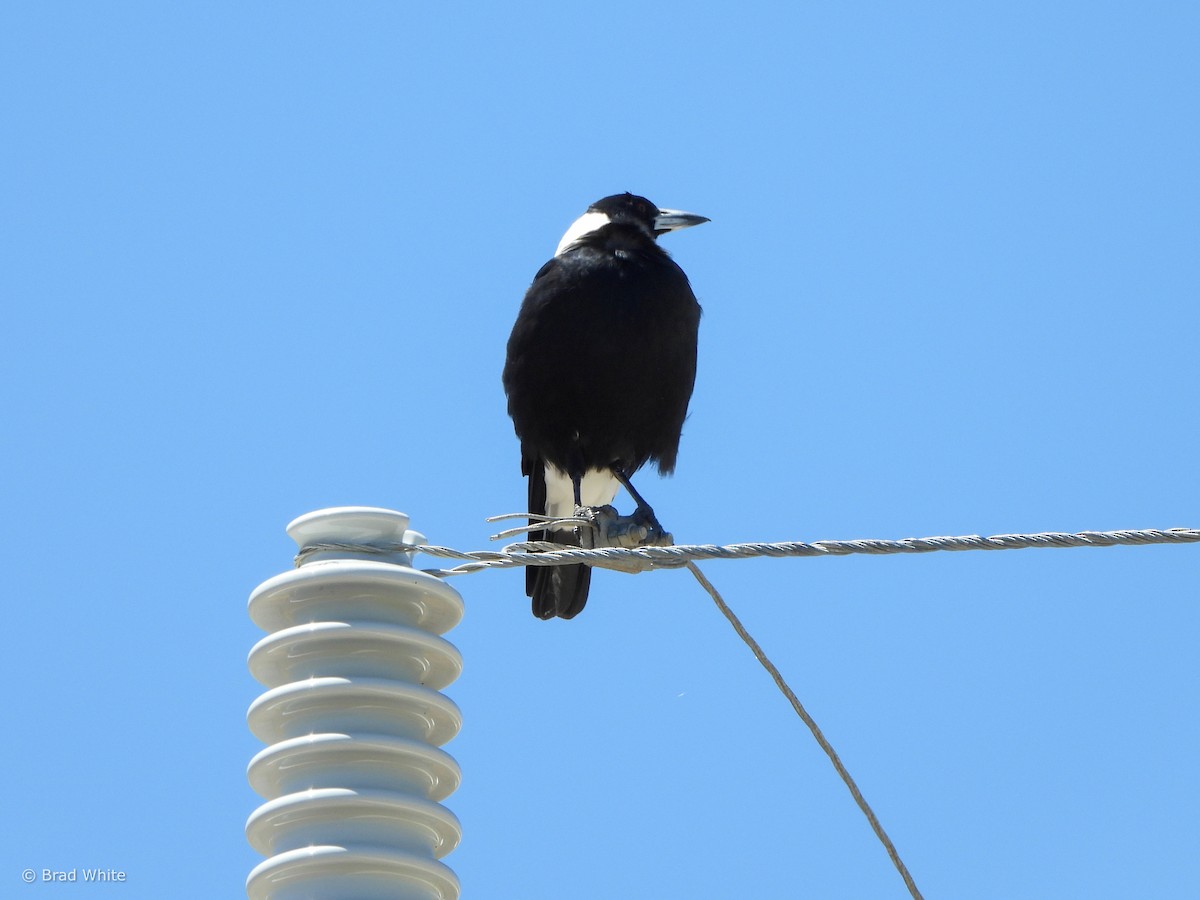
(598, 488)
(585, 224)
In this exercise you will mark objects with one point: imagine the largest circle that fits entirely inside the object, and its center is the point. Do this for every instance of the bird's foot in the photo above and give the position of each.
(610, 529)
(656, 535)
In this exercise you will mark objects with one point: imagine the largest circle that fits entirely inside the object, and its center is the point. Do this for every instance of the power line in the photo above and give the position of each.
(546, 553)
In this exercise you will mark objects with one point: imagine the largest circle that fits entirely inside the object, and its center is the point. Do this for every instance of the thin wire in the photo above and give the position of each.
(787, 691)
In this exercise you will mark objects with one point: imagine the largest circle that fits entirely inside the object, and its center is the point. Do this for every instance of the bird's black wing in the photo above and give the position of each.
(538, 380)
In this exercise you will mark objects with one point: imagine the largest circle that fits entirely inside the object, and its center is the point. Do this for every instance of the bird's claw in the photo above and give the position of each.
(655, 534)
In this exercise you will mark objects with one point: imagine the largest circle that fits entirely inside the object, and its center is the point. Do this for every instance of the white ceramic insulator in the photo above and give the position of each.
(354, 663)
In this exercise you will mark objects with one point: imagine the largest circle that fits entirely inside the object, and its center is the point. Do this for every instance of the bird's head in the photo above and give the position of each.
(627, 209)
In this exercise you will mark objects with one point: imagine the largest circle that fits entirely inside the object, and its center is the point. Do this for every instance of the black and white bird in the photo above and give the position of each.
(600, 368)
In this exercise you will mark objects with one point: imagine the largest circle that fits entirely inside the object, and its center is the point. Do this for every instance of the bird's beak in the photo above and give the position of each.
(674, 219)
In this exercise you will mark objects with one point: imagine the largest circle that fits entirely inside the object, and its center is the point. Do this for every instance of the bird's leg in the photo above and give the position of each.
(644, 514)
(587, 533)
(643, 510)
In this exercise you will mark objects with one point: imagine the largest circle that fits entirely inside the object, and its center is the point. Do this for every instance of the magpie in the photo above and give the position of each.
(599, 372)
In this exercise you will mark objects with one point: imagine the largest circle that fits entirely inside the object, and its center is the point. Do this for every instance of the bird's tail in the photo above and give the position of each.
(556, 590)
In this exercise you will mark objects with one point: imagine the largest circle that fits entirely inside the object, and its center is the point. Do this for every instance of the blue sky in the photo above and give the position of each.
(263, 258)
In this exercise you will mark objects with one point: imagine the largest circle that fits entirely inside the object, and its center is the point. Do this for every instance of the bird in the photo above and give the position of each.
(599, 372)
